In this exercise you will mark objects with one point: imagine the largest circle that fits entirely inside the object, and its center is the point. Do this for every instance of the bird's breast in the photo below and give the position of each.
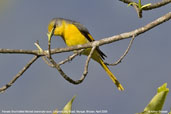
(73, 36)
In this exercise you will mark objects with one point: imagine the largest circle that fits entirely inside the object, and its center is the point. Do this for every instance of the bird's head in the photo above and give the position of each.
(56, 27)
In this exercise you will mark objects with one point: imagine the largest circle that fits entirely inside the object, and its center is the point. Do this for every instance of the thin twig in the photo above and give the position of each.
(87, 62)
(60, 63)
(47, 62)
(138, 10)
(2, 89)
(57, 66)
(125, 53)
(157, 5)
(71, 57)
(43, 57)
(49, 49)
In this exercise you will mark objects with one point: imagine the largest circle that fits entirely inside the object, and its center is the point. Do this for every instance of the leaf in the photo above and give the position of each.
(139, 4)
(55, 111)
(156, 104)
(145, 5)
(163, 88)
(158, 100)
(68, 107)
(169, 112)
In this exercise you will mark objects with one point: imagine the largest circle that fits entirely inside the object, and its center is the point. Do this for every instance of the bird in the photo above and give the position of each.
(74, 33)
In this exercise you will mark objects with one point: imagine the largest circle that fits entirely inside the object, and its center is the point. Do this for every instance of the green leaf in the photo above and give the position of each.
(139, 4)
(169, 112)
(156, 104)
(55, 111)
(145, 5)
(163, 88)
(68, 107)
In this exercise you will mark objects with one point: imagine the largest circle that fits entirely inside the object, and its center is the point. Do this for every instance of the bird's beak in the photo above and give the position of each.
(50, 34)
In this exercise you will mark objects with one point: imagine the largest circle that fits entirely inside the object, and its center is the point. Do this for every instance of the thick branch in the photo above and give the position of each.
(115, 38)
(104, 41)
(136, 32)
(20, 51)
(157, 5)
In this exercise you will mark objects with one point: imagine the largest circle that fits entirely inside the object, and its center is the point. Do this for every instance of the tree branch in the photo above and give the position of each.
(125, 53)
(101, 42)
(2, 89)
(157, 5)
(71, 57)
(21, 51)
(136, 32)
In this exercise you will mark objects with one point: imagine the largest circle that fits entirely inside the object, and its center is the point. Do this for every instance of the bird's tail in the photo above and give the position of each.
(111, 75)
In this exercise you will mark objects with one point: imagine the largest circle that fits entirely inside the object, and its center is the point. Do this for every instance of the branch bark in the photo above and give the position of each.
(157, 5)
(125, 53)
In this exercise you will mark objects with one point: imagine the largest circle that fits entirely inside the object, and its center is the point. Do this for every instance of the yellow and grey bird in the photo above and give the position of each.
(74, 33)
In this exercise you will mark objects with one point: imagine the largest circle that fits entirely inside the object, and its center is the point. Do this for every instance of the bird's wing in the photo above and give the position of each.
(86, 33)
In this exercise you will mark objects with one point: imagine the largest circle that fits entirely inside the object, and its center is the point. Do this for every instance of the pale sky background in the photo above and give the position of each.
(146, 67)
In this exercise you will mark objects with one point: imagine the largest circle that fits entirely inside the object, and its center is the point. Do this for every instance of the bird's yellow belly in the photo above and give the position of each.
(75, 40)
(73, 36)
